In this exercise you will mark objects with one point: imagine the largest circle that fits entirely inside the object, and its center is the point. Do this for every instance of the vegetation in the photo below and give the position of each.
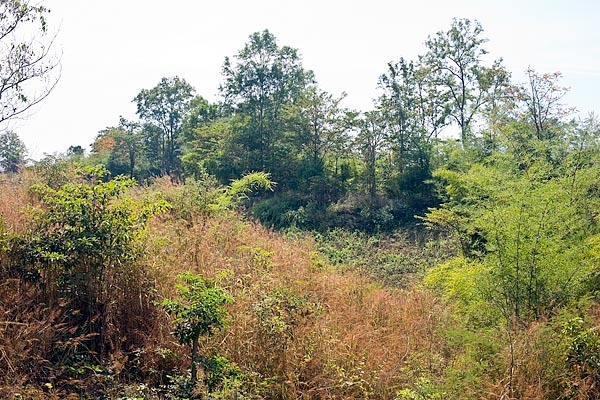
(12, 152)
(403, 264)
(200, 313)
(29, 67)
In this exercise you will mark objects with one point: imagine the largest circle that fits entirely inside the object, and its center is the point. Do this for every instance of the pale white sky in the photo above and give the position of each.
(114, 48)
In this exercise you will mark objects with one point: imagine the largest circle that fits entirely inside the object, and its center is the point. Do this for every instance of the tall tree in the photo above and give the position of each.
(410, 117)
(204, 130)
(320, 124)
(263, 78)
(128, 141)
(370, 142)
(120, 147)
(201, 113)
(12, 152)
(29, 69)
(542, 95)
(503, 98)
(320, 129)
(413, 112)
(454, 57)
(164, 107)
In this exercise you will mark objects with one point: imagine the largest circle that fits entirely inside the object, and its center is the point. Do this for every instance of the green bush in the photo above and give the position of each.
(582, 356)
(199, 311)
(83, 246)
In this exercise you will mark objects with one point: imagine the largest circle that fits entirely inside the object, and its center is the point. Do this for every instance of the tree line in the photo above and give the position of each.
(335, 166)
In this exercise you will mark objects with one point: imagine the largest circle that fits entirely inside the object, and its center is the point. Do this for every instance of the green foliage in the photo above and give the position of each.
(221, 373)
(204, 137)
(263, 79)
(200, 308)
(583, 351)
(199, 311)
(423, 390)
(85, 237)
(122, 149)
(12, 152)
(233, 195)
(282, 211)
(465, 283)
(477, 355)
(280, 312)
(370, 142)
(56, 171)
(164, 108)
(82, 221)
(194, 198)
(204, 196)
(523, 219)
(525, 229)
(454, 57)
(394, 260)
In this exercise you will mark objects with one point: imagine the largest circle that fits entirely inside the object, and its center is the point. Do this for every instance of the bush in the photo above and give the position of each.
(199, 312)
(84, 246)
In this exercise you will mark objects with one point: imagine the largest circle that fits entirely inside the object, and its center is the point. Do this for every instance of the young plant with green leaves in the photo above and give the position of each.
(233, 195)
(199, 311)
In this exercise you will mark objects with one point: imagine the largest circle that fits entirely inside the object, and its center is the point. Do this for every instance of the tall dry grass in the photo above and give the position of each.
(299, 328)
(355, 340)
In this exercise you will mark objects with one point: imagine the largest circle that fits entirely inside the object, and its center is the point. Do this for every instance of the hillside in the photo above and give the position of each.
(299, 325)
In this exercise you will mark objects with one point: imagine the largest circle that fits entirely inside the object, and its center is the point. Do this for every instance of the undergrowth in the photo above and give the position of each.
(339, 316)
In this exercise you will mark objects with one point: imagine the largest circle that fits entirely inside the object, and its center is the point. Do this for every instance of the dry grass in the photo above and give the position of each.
(341, 335)
(354, 343)
(14, 196)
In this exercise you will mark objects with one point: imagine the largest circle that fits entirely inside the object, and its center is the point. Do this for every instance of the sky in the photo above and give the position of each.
(112, 49)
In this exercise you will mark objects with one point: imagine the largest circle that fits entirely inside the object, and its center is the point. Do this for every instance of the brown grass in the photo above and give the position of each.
(14, 196)
(356, 344)
(351, 338)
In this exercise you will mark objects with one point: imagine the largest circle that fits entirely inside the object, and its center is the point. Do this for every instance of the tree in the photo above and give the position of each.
(414, 111)
(502, 100)
(455, 61)
(75, 151)
(264, 78)
(326, 122)
(201, 113)
(128, 141)
(86, 242)
(12, 152)
(403, 111)
(320, 127)
(120, 147)
(213, 148)
(164, 107)
(200, 137)
(199, 312)
(29, 70)
(371, 143)
(542, 96)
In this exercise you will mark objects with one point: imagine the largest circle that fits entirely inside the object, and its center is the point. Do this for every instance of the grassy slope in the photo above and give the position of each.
(299, 327)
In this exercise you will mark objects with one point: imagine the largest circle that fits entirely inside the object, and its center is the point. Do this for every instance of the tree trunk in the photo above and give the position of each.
(194, 369)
